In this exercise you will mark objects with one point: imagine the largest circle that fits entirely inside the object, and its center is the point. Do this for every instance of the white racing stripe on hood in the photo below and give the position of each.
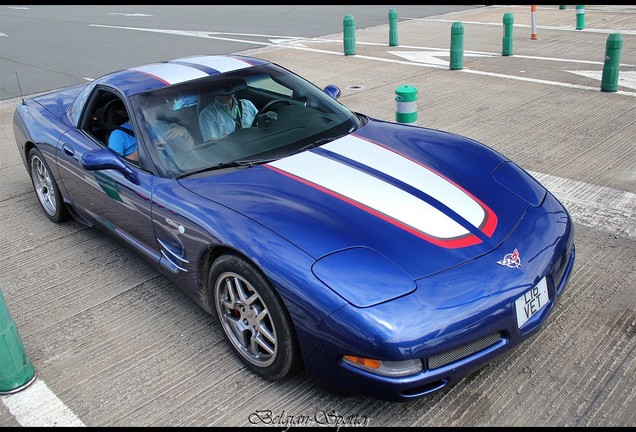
(219, 63)
(411, 173)
(371, 192)
(171, 73)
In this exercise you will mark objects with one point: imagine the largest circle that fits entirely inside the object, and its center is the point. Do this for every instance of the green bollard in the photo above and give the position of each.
(609, 82)
(457, 46)
(349, 24)
(580, 17)
(406, 105)
(393, 33)
(16, 370)
(506, 48)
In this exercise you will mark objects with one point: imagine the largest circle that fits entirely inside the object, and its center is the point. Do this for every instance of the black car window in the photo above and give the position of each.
(77, 107)
(107, 116)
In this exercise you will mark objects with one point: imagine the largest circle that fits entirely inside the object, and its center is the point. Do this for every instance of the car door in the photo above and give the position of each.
(118, 202)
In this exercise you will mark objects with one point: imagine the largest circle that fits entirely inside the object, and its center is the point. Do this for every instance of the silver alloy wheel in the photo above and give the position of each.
(246, 319)
(43, 184)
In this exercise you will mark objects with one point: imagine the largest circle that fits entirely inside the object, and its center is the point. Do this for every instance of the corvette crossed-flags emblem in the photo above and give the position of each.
(512, 260)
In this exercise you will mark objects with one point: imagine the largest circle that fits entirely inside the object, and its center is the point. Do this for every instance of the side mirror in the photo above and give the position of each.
(103, 159)
(333, 91)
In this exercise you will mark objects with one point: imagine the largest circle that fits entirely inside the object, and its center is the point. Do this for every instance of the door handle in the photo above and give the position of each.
(68, 149)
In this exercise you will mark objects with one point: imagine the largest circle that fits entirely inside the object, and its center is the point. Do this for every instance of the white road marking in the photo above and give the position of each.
(493, 74)
(597, 207)
(430, 57)
(625, 78)
(289, 41)
(37, 406)
(130, 14)
(423, 56)
(209, 35)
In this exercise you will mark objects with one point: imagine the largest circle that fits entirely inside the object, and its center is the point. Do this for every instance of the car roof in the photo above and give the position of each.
(152, 76)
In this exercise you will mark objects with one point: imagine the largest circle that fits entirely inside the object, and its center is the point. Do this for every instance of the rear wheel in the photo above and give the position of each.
(46, 188)
(253, 318)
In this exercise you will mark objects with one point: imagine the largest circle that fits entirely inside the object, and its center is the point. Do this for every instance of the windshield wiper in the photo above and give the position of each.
(252, 162)
(229, 164)
(211, 168)
(316, 143)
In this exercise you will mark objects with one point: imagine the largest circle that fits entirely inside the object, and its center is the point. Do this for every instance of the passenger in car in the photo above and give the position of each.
(168, 135)
(124, 143)
(224, 114)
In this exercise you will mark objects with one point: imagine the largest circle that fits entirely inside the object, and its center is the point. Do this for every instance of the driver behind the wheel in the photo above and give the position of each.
(224, 114)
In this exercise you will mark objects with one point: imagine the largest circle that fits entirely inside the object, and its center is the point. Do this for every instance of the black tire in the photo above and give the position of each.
(253, 318)
(46, 188)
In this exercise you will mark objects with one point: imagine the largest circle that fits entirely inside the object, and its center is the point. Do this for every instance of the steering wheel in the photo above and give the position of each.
(267, 107)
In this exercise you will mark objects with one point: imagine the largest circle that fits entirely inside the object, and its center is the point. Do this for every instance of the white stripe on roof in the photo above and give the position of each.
(220, 63)
(171, 73)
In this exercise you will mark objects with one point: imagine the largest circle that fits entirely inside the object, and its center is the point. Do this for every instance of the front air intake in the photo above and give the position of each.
(463, 351)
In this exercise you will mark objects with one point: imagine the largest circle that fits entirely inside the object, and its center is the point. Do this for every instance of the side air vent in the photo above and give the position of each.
(174, 255)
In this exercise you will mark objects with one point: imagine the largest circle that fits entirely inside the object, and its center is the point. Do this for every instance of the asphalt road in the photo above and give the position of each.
(51, 47)
(115, 344)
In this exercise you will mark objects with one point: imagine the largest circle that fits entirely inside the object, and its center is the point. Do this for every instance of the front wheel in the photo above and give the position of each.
(46, 188)
(253, 318)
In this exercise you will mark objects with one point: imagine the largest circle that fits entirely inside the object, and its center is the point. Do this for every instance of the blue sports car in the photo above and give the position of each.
(383, 259)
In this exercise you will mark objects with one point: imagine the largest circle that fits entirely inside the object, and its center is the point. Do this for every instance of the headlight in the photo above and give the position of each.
(520, 183)
(385, 368)
(363, 277)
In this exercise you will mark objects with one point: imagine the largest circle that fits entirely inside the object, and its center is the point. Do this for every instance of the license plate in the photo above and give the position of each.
(531, 302)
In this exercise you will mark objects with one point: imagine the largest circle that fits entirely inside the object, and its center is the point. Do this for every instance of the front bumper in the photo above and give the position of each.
(456, 322)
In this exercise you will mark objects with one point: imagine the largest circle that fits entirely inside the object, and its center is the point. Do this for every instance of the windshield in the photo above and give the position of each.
(255, 114)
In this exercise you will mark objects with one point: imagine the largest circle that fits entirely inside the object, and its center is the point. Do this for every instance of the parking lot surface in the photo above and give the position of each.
(115, 344)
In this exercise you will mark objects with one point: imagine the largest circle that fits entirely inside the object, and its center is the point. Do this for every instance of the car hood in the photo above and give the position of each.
(423, 199)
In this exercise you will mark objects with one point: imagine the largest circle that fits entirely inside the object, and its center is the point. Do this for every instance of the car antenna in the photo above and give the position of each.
(20, 88)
